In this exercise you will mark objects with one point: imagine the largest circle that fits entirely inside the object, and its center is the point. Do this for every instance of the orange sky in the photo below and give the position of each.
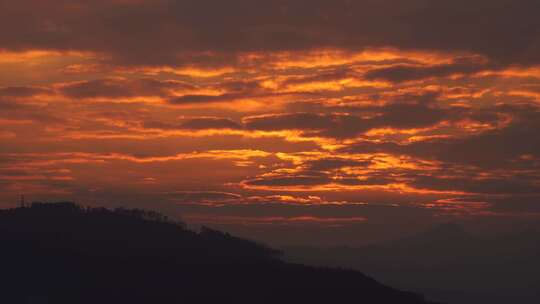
(272, 121)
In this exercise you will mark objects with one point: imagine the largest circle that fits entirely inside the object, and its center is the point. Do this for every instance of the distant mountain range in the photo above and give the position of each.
(63, 253)
(446, 264)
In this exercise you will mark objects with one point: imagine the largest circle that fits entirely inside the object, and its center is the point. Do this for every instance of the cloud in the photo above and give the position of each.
(503, 30)
(210, 123)
(492, 148)
(293, 180)
(23, 91)
(401, 73)
(312, 169)
(204, 123)
(429, 104)
(204, 99)
(48, 159)
(234, 90)
(325, 164)
(119, 88)
(491, 185)
(289, 121)
(399, 116)
(17, 111)
(406, 116)
(324, 125)
(203, 196)
(275, 221)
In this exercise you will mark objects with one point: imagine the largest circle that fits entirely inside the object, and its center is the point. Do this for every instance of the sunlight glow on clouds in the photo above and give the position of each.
(279, 106)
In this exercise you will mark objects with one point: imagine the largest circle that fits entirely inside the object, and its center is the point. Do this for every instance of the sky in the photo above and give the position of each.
(298, 121)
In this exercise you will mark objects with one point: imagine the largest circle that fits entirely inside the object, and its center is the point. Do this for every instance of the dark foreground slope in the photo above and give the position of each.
(61, 253)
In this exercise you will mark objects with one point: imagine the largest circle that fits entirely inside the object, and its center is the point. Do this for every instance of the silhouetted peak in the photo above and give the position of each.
(99, 230)
(71, 254)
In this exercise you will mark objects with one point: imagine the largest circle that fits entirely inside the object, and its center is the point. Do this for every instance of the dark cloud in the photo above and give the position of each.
(204, 99)
(202, 196)
(241, 86)
(154, 124)
(23, 91)
(496, 148)
(156, 32)
(401, 73)
(293, 121)
(20, 111)
(505, 161)
(195, 124)
(10, 105)
(323, 76)
(504, 30)
(326, 164)
(234, 90)
(405, 116)
(423, 97)
(492, 185)
(399, 116)
(326, 125)
(118, 88)
(308, 178)
(210, 123)
(493, 149)
(293, 180)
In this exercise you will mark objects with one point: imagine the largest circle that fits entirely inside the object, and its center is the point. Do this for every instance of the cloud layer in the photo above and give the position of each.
(276, 115)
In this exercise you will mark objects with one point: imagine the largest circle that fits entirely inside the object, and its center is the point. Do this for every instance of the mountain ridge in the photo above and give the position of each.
(63, 253)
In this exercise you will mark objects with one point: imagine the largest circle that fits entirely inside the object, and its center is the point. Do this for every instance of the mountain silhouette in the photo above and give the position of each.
(63, 253)
(446, 264)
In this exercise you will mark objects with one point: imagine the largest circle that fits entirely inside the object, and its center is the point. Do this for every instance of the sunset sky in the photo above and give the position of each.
(288, 121)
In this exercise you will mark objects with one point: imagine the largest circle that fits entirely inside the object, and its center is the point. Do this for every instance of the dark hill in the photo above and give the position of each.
(62, 253)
